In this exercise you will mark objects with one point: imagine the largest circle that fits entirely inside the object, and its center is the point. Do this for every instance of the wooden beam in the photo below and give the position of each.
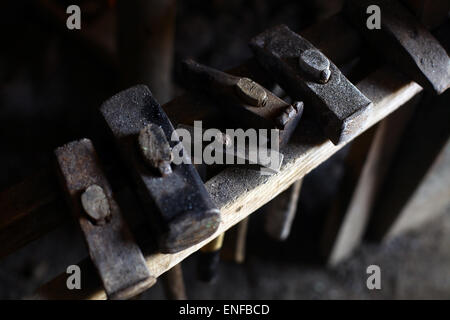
(366, 167)
(239, 192)
(418, 153)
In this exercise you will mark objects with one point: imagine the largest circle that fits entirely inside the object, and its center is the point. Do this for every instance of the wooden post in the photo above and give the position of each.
(239, 192)
(173, 283)
(235, 242)
(210, 259)
(366, 167)
(418, 159)
(35, 199)
(430, 198)
(333, 36)
(145, 32)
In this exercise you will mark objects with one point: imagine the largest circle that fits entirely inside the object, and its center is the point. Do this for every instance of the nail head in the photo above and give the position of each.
(315, 64)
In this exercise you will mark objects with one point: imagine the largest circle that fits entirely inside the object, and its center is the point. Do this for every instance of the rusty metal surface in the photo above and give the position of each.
(339, 106)
(116, 256)
(248, 102)
(178, 205)
(405, 43)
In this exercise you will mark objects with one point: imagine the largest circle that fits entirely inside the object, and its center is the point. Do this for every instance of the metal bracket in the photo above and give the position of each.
(174, 196)
(304, 72)
(405, 43)
(247, 101)
(111, 245)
